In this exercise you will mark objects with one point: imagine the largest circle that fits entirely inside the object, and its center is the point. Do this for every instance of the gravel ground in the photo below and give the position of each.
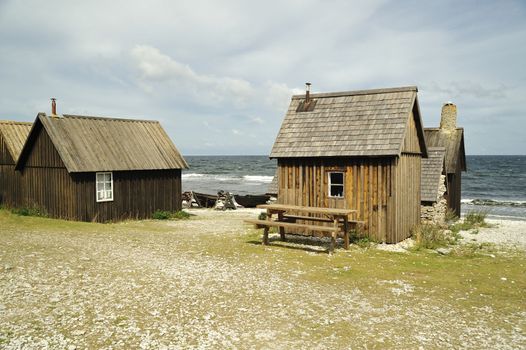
(508, 233)
(203, 283)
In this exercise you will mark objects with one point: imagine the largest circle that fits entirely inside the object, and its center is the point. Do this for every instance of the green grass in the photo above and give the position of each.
(468, 279)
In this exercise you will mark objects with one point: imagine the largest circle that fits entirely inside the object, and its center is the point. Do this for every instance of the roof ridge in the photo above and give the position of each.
(359, 92)
(73, 116)
(15, 122)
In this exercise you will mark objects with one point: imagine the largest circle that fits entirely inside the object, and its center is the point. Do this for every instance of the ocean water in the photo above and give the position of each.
(496, 184)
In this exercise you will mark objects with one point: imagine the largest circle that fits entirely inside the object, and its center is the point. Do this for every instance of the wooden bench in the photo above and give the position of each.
(338, 217)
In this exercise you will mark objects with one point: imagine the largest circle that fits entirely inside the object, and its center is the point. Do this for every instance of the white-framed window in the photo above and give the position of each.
(104, 183)
(336, 184)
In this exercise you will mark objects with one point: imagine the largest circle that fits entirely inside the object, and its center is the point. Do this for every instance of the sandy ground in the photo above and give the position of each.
(205, 283)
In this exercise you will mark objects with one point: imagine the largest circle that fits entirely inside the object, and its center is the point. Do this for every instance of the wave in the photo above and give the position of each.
(258, 178)
(495, 202)
(227, 178)
(192, 175)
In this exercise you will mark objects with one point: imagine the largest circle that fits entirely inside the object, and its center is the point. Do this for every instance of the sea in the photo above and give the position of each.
(494, 184)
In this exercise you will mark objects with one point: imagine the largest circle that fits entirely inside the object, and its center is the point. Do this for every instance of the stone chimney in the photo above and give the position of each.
(448, 120)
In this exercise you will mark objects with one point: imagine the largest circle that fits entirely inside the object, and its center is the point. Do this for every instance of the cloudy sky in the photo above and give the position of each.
(219, 74)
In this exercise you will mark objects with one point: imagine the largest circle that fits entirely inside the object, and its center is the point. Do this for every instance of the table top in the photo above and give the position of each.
(314, 210)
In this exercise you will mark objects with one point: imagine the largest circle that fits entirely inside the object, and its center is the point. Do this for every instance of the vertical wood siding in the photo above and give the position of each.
(9, 178)
(366, 188)
(384, 191)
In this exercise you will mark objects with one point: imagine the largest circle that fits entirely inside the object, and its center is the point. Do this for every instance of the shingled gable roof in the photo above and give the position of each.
(88, 144)
(352, 123)
(14, 134)
(432, 168)
(453, 142)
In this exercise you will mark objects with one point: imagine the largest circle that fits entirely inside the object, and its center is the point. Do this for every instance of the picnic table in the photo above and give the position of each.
(287, 215)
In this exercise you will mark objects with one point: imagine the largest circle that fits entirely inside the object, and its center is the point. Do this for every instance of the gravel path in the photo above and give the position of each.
(509, 233)
(165, 285)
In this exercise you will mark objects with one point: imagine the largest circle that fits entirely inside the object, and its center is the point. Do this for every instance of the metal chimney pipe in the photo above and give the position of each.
(53, 106)
(307, 92)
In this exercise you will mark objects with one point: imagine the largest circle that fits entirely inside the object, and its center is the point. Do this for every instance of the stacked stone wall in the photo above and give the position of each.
(435, 213)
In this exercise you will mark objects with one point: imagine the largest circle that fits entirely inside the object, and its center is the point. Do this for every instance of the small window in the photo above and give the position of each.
(336, 184)
(104, 185)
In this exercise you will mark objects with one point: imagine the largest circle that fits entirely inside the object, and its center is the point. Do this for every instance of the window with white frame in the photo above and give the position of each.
(104, 183)
(336, 184)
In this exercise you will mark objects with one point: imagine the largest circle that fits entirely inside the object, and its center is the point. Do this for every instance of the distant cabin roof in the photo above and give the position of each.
(14, 134)
(432, 168)
(453, 142)
(351, 123)
(89, 144)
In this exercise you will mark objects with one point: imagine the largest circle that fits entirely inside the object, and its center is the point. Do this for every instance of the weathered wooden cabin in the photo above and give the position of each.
(359, 150)
(13, 134)
(99, 169)
(434, 186)
(449, 136)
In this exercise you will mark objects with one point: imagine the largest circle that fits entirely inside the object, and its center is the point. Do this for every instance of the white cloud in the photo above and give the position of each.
(156, 67)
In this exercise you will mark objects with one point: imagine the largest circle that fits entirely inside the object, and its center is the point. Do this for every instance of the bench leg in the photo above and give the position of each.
(333, 242)
(265, 235)
(281, 229)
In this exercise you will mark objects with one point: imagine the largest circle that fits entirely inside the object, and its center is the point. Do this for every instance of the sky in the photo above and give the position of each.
(219, 75)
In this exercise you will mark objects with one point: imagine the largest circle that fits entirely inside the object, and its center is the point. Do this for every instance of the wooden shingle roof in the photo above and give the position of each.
(453, 142)
(89, 144)
(14, 134)
(432, 168)
(352, 123)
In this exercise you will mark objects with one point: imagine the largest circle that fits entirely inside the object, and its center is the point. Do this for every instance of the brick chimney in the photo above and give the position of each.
(448, 119)
(53, 106)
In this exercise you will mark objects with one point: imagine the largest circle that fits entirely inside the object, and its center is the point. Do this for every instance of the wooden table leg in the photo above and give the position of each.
(346, 233)
(265, 235)
(266, 229)
(281, 229)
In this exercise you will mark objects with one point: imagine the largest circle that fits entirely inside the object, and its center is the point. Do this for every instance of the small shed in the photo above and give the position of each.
(359, 150)
(13, 134)
(434, 186)
(451, 138)
(99, 169)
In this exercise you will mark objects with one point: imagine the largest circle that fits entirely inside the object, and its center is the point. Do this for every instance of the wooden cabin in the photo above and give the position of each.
(434, 186)
(99, 169)
(449, 136)
(359, 150)
(12, 137)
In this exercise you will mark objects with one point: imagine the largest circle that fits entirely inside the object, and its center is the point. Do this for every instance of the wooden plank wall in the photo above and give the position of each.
(367, 188)
(9, 180)
(46, 183)
(454, 191)
(406, 208)
(137, 194)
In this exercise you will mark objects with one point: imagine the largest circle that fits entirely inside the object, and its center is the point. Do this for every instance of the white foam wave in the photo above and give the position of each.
(493, 202)
(192, 175)
(258, 178)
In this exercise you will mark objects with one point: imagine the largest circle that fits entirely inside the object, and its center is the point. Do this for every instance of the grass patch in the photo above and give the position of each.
(429, 237)
(30, 211)
(473, 221)
(166, 215)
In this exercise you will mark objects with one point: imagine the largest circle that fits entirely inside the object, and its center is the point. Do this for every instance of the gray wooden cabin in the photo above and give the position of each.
(358, 149)
(99, 169)
(13, 134)
(451, 137)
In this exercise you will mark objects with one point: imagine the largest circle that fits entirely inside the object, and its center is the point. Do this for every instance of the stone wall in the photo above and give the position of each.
(435, 213)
